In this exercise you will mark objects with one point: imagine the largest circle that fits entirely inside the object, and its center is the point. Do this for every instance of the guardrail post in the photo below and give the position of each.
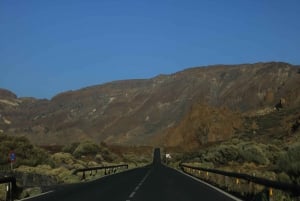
(7, 191)
(270, 194)
(237, 182)
(9, 195)
(251, 187)
(83, 175)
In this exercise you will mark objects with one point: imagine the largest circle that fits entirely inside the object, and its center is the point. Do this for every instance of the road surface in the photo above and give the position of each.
(155, 182)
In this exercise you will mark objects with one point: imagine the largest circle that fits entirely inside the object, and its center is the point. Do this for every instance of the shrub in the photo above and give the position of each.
(226, 153)
(26, 153)
(108, 156)
(283, 177)
(85, 149)
(238, 151)
(272, 152)
(289, 162)
(253, 153)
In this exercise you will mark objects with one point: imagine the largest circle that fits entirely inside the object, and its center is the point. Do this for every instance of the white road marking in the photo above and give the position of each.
(132, 194)
(209, 185)
(36, 196)
(139, 185)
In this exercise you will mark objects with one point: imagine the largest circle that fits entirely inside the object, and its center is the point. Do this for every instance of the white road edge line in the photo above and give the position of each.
(36, 196)
(209, 185)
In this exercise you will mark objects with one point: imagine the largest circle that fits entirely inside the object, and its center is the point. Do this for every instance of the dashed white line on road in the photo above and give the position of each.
(132, 194)
(139, 185)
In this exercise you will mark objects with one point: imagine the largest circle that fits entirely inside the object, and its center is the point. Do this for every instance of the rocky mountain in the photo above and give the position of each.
(197, 105)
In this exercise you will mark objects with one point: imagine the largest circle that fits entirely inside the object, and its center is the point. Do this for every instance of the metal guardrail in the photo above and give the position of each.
(287, 187)
(107, 169)
(12, 186)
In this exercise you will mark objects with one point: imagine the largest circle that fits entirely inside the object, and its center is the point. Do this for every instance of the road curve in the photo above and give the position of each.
(153, 182)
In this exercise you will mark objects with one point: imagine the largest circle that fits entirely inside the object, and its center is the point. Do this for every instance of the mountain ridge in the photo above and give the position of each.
(141, 111)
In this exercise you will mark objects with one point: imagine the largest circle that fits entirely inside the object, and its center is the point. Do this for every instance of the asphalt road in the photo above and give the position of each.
(155, 182)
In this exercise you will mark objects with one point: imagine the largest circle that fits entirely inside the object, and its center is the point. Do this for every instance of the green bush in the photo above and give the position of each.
(226, 153)
(253, 153)
(86, 149)
(100, 153)
(236, 151)
(289, 162)
(272, 152)
(26, 153)
(283, 177)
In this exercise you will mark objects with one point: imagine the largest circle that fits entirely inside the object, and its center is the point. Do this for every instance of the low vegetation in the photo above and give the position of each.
(55, 165)
(289, 163)
(268, 146)
(278, 162)
(26, 153)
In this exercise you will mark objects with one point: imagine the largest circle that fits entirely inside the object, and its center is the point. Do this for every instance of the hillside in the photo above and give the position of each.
(197, 105)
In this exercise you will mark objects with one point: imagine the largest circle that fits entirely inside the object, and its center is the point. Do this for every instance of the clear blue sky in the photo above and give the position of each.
(50, 46)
